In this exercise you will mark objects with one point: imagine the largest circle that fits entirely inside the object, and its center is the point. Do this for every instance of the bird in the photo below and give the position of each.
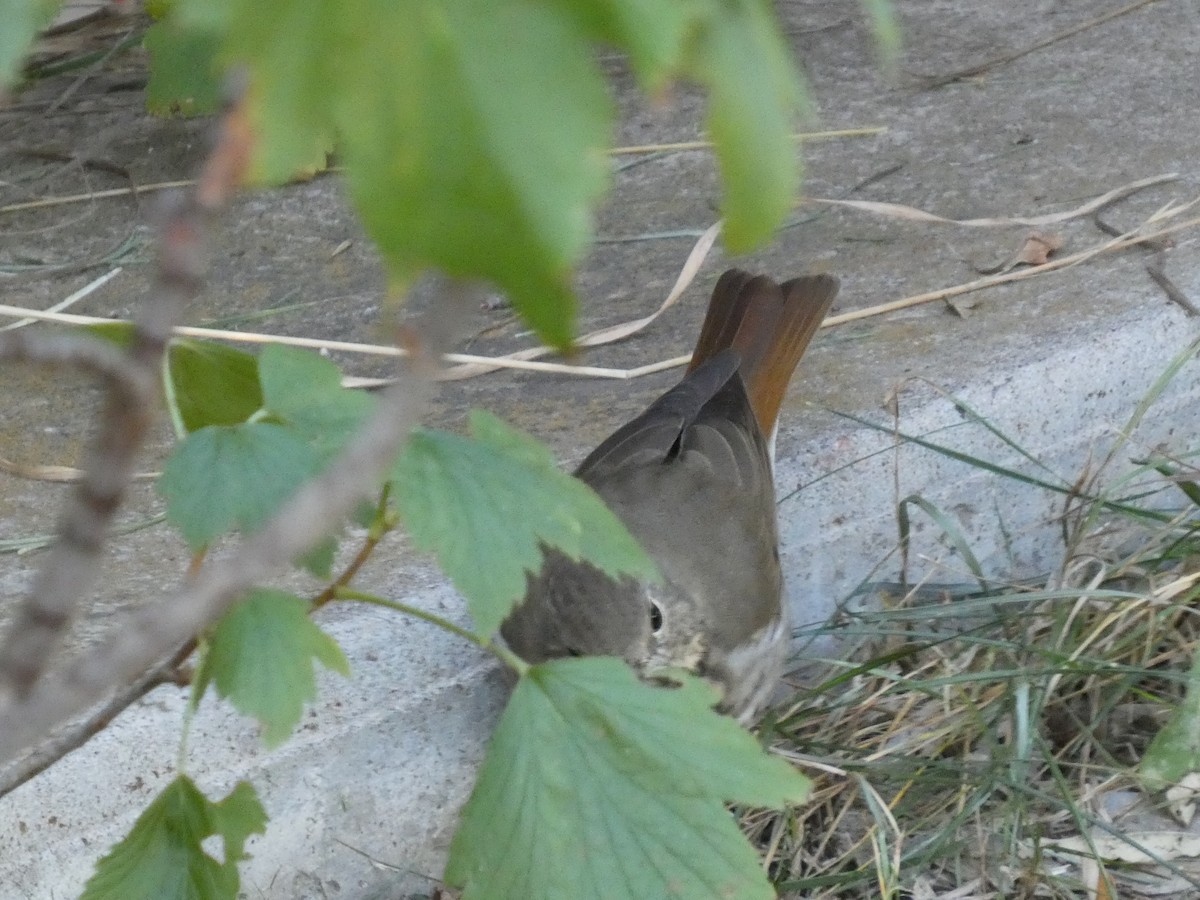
(692, 480)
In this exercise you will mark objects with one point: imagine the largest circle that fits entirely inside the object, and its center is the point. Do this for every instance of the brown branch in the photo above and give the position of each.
(79, 732)
(92, 355)
(174, 671)
(70, 571)
(375, 534)
(145, 636)
(138, 643)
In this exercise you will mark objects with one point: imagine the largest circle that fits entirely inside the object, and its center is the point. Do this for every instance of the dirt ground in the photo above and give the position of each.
(1041, 132)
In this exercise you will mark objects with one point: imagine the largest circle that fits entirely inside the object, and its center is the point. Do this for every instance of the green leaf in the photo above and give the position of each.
(1175, 751)
(213, 384)
(484, 156)
(652, 32)
(261, 658)
(183, 74)
(319, 560)
(478, 156)
(119, 333)
(296, 53)
(305, 391)
(223, 477)
(22, 19)
(886, 27)
(755, 94)
(484, 505)
(162, 857)
(597, 785)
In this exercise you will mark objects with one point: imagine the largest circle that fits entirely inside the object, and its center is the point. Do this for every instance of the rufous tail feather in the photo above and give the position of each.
(770, 325)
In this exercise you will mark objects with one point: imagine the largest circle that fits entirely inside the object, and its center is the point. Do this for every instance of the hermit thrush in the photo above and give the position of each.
(691, 478)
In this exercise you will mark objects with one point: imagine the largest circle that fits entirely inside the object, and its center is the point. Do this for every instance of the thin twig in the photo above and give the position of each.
(248, 337)
(472, 365)
(69, 301)
(1130, 240)
(708, 145)
(1155, 264)
(935, 81)
(912, 214)
(78, 733)
(57, 474)
(98, 195)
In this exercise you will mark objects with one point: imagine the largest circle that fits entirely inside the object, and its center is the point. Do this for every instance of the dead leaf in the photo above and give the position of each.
(910, 213)
(1181, 798)
(1153, 846)
(1038, 247)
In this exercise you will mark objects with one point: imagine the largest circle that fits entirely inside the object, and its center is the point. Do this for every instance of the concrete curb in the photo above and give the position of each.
(381, 766)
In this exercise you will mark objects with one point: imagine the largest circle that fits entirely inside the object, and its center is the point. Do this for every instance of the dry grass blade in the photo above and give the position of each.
(472, 365)
(469, 365)
(912, 214)
(57, 474)
(1132, 238)
(708, 145)
(97, 195)
(687, 274)
(69, 301)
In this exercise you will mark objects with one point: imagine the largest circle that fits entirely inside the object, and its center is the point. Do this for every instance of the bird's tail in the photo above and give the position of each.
(770, 325)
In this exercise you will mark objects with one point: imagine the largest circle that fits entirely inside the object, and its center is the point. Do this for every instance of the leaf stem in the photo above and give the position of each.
(505, 655)
(170, 400)
(375, 533)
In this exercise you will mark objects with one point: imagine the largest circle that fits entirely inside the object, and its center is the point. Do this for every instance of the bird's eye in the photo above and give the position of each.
(656, 618)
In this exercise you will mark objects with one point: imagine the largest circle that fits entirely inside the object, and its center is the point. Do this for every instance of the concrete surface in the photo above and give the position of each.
(363, 800)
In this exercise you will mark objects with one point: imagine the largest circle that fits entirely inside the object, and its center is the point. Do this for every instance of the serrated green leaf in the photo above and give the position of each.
(305, 390)
(222, 477)
(478, 156)
(183, 75)
(484, 505)
(482, 157)
(22, 20)
(449, 169)
(162, 857)
(1175, 750)
(213, 384)
(597, 785)
(754, 95)
(260, 657)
